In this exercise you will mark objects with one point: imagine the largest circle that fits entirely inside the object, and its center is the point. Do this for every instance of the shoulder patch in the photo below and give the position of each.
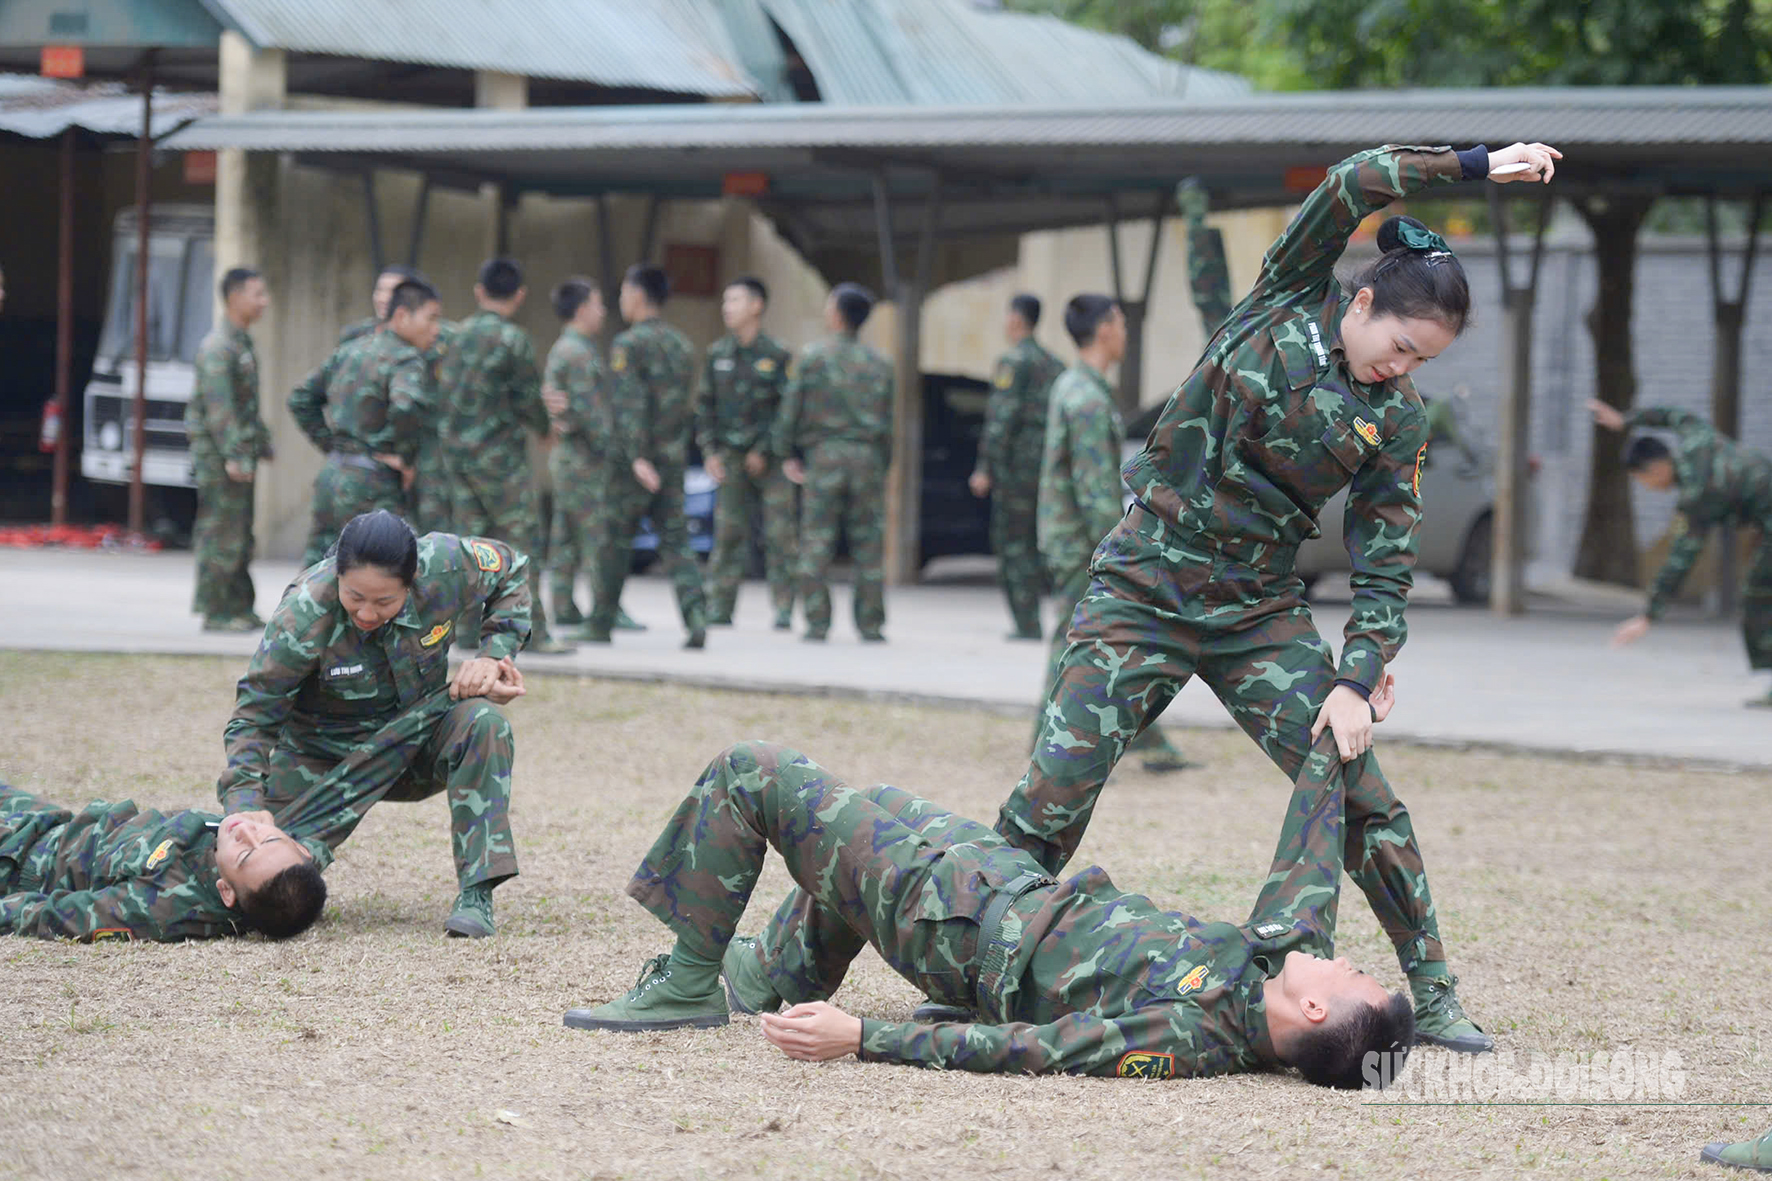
(113, 935)
(1420, 458)
(486, 557)
(618, 358)
(1145, 1065)
(435, 636)
(1192, 981)
(1680, 526)
(161, 852)
(1005, 376)
(1366, 431)
(766, 365)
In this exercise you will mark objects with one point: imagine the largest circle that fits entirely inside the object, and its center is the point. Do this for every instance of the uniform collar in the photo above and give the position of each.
(1329, 321)
(1251, 1011)
(1095, 375)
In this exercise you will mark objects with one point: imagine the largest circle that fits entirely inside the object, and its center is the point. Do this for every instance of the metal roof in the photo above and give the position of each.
(37, 108)
(948, 52)
(677, 46)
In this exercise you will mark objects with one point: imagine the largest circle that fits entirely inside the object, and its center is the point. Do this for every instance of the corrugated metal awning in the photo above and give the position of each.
(38, 108)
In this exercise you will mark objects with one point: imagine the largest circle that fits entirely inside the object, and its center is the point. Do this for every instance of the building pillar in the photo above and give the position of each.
(498, 92)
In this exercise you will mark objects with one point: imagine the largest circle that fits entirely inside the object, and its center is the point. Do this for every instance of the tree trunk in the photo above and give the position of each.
(1608, 549)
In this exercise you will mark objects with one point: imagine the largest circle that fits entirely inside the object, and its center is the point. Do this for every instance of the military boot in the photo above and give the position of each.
(653, 1004)
(748, 990)
(1440, 1019)
(784, 619)
(566, 612)
(627, 623)
(472, 916)
(1753, 1155)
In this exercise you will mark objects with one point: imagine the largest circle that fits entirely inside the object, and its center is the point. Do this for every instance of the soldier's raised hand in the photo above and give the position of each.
(1605, 414)
(1540, 160)
(714, 466)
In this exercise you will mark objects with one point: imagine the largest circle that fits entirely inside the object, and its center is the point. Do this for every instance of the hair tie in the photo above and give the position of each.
(1422, 240)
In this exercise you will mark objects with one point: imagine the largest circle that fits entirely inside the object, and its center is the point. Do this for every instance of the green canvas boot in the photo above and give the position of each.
(627, 623)
(472, 916)
(1440, 1019)
(1753, 1155)
(652, 1004)
(748, 990)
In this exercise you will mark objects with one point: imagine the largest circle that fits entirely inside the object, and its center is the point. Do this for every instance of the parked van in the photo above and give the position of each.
(181, 308)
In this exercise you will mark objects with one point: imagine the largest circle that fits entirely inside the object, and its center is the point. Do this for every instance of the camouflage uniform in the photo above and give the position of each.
(223, 425)
(369, 398)
(578, 465)
(1078, 977)
(837, 413)
(1009, 453)
(1721, 484)
(490, 390)
(1208, 272)
(735, 407)
(1197, 578)
(650, 414)
(318, 689)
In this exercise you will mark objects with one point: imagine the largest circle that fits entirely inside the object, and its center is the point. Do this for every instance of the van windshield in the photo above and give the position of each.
(179, 306)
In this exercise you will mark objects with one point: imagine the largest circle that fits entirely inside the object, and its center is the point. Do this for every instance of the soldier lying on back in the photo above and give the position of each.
(1079, 978)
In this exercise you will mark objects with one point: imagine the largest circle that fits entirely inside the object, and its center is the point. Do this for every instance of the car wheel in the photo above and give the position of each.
(1470, 578)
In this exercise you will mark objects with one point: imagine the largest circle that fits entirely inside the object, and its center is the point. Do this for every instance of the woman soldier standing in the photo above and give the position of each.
(1302, 391)
(358, 640)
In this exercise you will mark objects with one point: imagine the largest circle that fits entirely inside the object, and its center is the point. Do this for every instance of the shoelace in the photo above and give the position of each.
(1443, 1001)
(653, 970)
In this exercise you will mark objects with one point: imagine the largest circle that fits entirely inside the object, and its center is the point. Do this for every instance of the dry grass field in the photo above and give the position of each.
(1587, 907)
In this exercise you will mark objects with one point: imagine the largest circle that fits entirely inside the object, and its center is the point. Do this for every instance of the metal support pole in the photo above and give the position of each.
(606, 265)
(420, 208)
(904, 479)
(372, 218)
(1725, 388)
(144, 151)
(649, 233)
(883, 229)
(1507, 591)
(64, 332)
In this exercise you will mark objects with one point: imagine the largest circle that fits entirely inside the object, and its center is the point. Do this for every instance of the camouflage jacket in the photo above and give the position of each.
(1271, 424)
(1103, 982)
(840, 391)
(1208, 273)
(1015, 417)
(740, 393)
(1720, 482)
(489, 390)
(321, 686)
(650, 400)
(357, 328)
(574, 369)
(110, 871)
(222, 415)
(371, 397)
(1079, 501)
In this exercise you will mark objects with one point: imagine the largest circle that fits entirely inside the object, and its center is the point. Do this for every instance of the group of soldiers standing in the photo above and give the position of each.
(432, 420)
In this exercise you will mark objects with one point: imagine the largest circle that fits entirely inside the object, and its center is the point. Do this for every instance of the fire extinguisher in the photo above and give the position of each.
(51, 434)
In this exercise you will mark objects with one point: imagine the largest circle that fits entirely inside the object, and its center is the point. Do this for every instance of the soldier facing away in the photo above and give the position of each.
(357, 656)
(834, 435)
(1079, 487)
(113, 871)
(742, 381)
(650, 404)
(228, 439)
(1720, 484)
(1078, 977)
(490, 390)
(365, 408)
(1008, 468)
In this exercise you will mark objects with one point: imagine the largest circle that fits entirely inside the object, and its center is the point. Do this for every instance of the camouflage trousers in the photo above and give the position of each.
(429, 497)
(874, 866)
(629, 504)
(1756, 605)
(344, 489)
(1160, 610)
(581, 492)
(1015, 541)
(319, 787)
(1072, 587)
(502, 505)
(740, 499)
(222, 540)
(31, 830)
(845, 490)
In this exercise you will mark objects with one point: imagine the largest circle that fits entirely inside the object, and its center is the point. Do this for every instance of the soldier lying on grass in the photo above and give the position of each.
(1076, 977)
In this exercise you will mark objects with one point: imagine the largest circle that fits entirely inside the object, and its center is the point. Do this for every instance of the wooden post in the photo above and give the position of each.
(1725, 377)
(144, 154)
(64, 332)
(1507, 587)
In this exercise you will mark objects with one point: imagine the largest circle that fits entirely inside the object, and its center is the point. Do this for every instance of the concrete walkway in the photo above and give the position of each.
(1544, 682)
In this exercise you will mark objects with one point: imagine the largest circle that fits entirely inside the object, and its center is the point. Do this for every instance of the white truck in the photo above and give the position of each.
(181, 308)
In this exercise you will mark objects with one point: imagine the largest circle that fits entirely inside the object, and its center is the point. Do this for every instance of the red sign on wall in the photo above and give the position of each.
(692, 270)
(62, 61)
(199, 168)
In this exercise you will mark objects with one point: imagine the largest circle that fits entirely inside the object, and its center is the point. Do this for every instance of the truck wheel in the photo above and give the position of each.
(1470, 578)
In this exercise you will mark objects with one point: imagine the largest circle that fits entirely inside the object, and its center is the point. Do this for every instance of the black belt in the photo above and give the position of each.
(997, 947)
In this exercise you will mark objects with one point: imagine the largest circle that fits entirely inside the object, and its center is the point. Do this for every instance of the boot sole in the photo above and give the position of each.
(737, 1004)
(583, 1020)
(1713, 1154)
(1457, 1045)
(464, 929)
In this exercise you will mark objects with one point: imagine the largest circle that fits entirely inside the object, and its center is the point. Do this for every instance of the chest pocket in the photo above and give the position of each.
(1314, 451)
(346, 687)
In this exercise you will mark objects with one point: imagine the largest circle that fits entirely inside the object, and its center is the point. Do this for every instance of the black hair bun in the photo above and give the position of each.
(1390, 234)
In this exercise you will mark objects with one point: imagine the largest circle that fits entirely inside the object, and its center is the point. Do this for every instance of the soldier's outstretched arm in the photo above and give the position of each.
(1382, 527)
(140, 908)
(287, 655)
(1208, 271)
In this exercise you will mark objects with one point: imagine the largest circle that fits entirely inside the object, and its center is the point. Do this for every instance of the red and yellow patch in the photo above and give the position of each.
(112, 935)
(1143, 1064)
(766, 365)
(1366, 431)
(161, 852)
(1005, 377)
(618, 359)
(1192, 981)
(1420, 458)
(435, 636)
(486, 557)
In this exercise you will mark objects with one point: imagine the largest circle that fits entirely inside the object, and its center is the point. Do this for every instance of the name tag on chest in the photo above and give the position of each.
(724, 365)
(344, 670)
